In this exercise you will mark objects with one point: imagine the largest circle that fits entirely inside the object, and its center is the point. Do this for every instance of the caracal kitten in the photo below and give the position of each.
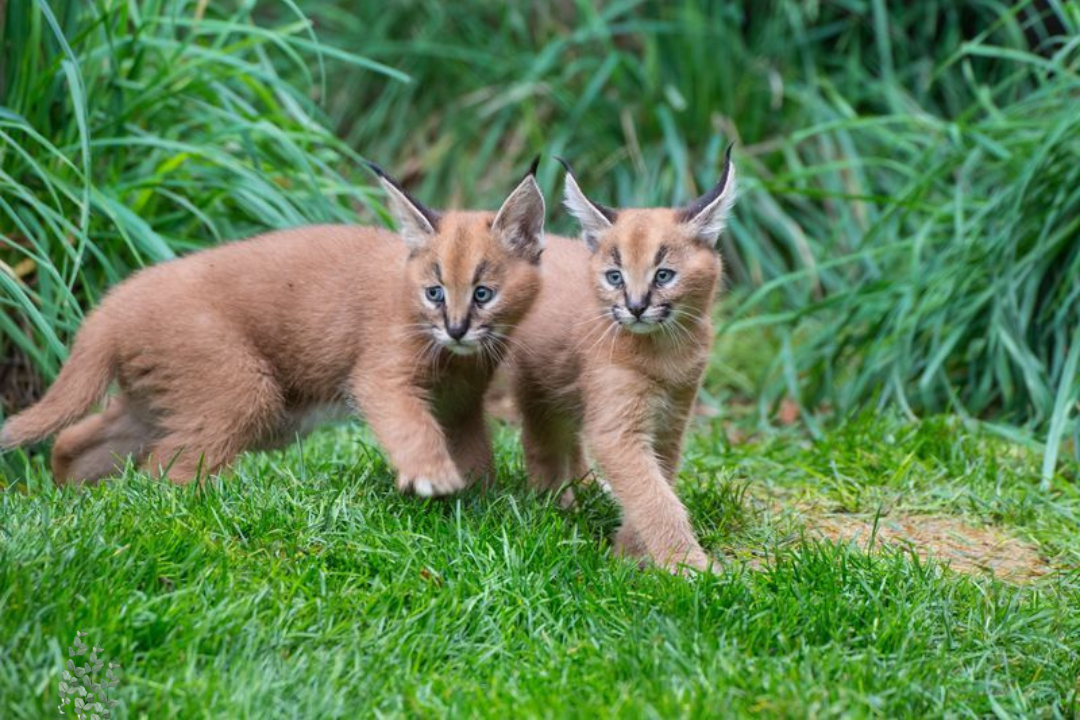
(246, 345)
(611, 357)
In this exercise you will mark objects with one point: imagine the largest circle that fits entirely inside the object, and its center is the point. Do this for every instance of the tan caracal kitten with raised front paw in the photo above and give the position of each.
(613, 353)
(245, 345)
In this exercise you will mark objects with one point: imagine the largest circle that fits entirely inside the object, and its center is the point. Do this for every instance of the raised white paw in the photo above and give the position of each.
(428, 487)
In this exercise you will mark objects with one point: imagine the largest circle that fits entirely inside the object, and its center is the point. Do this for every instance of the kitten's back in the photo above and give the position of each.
(298, 298)
(301, 297)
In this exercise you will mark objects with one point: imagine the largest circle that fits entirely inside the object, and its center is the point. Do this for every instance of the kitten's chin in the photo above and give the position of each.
(639, 327)
(461, 349)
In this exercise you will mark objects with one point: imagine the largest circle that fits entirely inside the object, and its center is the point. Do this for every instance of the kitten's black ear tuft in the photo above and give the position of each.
(376, 169)
(417, 223)
(594, 217)
(707, 216)
(520, 221)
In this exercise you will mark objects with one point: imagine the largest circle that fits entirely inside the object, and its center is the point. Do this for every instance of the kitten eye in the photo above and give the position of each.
(483, 294)
(614, 278)
(435, 293)
(664, 276)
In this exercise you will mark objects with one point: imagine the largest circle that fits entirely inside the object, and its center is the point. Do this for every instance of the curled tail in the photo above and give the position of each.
(82, 382)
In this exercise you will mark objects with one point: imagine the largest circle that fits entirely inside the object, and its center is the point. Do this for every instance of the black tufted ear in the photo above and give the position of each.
(707, 216)
(416, 223)
(594, 217)
(520, 221)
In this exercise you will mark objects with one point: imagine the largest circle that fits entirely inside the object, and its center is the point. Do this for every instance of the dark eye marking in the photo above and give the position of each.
(661, 253)
(616, 257)
(438, 272)
(479, 272)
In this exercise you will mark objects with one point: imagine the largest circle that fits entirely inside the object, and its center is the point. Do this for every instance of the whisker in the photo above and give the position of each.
(613, 329)
(509, 342)
(599, 316)
(614, 337)
(589, 334)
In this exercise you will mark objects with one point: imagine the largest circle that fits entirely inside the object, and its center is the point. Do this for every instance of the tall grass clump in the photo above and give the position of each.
(952, 280)
(906, 231)
(131, 132)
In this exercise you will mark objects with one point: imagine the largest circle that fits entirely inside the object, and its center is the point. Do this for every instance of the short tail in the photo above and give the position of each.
(82, 382)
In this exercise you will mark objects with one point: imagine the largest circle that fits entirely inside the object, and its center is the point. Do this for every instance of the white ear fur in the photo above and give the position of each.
(413, 225)
(708, 222)
(520, 221)
(593, 222)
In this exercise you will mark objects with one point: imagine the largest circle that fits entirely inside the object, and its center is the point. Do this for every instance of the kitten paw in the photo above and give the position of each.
(688, 562)
(428, 487)
(696, 563)
(626, 543)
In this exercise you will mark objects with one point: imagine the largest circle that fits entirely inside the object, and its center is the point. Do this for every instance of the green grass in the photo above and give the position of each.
(305, 586)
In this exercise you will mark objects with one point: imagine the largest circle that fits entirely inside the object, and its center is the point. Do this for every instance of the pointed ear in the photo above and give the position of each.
(520, 221)
(707, 216)
(594, 217)
(416, 223)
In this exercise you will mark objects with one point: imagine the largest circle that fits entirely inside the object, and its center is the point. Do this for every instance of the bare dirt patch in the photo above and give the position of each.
(964, 548)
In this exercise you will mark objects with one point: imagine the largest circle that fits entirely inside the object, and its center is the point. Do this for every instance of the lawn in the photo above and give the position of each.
(887, 459)
(304, 585)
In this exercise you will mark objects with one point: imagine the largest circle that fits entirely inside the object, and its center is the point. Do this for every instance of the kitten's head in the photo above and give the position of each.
(654, 266)
(472, 275)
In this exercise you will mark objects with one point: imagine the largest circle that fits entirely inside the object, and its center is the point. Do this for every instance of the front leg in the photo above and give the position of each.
(671, 432)
(619, 434)
(402, 420)
(667, 447)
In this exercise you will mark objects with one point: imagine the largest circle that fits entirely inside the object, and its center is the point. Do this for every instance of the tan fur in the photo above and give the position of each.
(239, 346)
(583, 378)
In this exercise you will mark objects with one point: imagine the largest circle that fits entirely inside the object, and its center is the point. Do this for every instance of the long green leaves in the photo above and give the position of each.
(909, 205)
(130, 132)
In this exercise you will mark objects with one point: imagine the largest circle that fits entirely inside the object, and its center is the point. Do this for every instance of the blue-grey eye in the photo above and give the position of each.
(664, 276)
(435, 293)
(483, 294)
(614, 278)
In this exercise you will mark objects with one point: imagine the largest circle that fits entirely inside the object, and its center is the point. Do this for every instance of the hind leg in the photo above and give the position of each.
(206, 422)
(553, 453)
(99, 445)
(470, 447)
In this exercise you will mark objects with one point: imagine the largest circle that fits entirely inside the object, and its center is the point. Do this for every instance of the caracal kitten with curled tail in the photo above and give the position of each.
(246, 345)
(611, 357)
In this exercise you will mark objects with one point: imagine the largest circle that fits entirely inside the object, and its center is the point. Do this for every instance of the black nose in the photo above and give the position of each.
(457, 331)
(637, 307)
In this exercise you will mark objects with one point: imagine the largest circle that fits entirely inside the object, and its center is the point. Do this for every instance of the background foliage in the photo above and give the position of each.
(907, 233)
